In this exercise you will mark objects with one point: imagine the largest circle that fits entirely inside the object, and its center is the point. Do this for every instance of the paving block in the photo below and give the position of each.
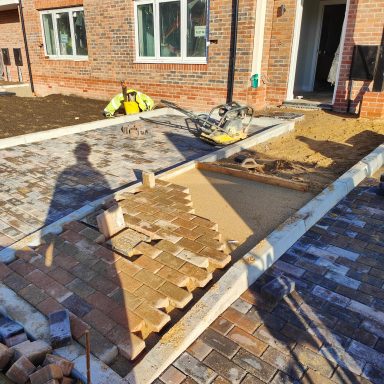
(178, 297)
(60, 328)
(9, 328)
(34, 351)
(154, 318)
(278, 288)
(149, 180)
(65, 365)
(47, 373)
(111, 221)
(16, 339)
(131, 348)
(5, 355)
(21, 370)
(67, 380)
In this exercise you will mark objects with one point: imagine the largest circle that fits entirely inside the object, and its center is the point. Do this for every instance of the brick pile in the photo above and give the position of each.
(124, 288)
(23, 360)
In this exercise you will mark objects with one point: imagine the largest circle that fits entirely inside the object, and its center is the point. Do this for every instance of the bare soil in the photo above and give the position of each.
(321, 148)
(21, 115)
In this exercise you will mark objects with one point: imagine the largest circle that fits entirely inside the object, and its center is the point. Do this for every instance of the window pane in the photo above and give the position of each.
(49, 34)
(197, 25)
(170, 29)
(64, 32)
(80, 33)
(146, 30)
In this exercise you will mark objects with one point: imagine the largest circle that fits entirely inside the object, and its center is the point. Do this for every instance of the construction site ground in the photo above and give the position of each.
(21, 115)
(322, 147)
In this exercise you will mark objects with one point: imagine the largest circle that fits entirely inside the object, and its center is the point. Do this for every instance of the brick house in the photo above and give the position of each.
(180, 49)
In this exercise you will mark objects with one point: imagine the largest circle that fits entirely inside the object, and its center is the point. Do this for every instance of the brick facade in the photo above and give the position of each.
(12, 37)
(365, 26)
(111, 55)
(372, 105)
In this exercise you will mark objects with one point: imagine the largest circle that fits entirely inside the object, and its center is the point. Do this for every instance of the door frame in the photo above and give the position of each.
(319, 27)
(296, 40)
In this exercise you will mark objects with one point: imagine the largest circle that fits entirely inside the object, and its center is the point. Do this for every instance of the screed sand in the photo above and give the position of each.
(321, 148)
(246, 211)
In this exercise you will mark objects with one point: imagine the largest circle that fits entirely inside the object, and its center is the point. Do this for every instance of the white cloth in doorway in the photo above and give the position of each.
(332, 72)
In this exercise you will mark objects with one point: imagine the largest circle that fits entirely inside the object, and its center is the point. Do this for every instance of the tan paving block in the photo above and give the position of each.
(217, 258)
(128, 283)
(154, 298)
(154, 318)
(168, 235)
(178, 297)
(203, 231)
(111, 221)
(147, 263)
(188, 224)
(208, 242)
(191, 245)
(126, 266)
(131, 348)
(149, 279)
(130, 219)
(170, 260)
(187, 233)
(193, 258)
(200, 276)
(202, 222)
(128, 319)
(125, 241)
(147, 250)
(174, 276)
(126, 299)
(167, 246)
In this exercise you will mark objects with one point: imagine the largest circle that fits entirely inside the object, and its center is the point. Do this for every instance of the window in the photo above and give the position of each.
(64, 33)
(171, 31)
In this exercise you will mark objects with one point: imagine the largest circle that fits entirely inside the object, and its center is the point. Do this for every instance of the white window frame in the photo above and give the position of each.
(183, 59)
(54, 12)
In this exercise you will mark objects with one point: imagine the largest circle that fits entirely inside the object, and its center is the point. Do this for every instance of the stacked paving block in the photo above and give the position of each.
(123, 270)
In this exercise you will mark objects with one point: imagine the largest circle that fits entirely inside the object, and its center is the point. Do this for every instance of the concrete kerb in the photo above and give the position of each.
(72, 129)
(247, 270)
(7, 255)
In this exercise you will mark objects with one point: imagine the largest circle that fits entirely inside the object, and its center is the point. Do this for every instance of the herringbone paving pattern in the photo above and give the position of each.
(44, 181)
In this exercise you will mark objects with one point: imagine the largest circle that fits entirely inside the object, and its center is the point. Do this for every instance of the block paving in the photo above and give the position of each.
(47, 180)
(329, 330)
(123, 292)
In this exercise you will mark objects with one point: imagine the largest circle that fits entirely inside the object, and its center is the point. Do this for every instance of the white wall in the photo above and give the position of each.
(306, 59)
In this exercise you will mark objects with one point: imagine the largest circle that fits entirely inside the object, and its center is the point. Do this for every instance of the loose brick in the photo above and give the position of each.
(16, 339)
(178, 297)
(199, 276)
(173, 276)
(43, 375)
(5, 355)
(35, 351)
(155, 298)
(9, 328)
(65, 365)
(20, 371)
(149, 264)
(60, 328)
(111, 221)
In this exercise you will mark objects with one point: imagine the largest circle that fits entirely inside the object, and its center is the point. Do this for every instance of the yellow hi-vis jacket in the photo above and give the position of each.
(144, 101)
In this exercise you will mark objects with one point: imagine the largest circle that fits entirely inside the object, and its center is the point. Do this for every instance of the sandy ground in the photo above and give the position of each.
(20, 115)
(321, 148)
(246, 211)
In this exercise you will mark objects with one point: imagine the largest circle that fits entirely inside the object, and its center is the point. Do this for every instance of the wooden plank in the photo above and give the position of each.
(261, 178)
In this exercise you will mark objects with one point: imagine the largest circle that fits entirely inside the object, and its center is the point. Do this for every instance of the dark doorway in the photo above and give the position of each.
(328, 54)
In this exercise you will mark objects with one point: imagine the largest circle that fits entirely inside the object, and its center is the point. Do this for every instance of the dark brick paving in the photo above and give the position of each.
(329, 330)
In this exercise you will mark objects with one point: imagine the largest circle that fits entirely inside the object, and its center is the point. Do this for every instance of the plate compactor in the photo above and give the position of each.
(225, 124)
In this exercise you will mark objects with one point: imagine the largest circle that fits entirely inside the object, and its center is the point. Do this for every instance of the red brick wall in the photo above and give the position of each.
(11, 37)
(110, 35)
(372, 105)
(365, 26)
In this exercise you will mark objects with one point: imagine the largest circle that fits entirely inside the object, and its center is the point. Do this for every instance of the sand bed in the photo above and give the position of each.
(246, 211)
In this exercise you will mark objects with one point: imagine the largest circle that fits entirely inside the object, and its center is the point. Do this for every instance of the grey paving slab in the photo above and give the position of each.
(45, 181)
